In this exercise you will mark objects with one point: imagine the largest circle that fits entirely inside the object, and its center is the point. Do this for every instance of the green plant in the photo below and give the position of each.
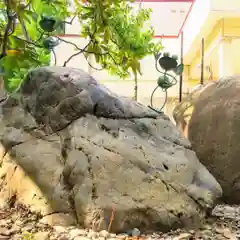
(29, 34)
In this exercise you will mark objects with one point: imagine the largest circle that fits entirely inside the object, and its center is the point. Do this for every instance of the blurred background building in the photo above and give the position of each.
(206, 32)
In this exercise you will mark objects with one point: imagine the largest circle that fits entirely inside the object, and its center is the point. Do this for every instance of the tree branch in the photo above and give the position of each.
(29, 42)
(70, 21)
(71, 43)
(76, 54)
(80, 50)
(97, 69)
(24, 29)
(10, 22)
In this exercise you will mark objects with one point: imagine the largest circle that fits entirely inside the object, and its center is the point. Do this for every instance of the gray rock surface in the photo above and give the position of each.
(215, 134)
(70, 146)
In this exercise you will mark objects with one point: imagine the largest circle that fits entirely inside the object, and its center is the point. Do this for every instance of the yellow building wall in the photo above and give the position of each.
(221, 52)
(231, 27)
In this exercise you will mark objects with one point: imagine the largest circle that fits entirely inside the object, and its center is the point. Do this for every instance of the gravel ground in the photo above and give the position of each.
(18, 223)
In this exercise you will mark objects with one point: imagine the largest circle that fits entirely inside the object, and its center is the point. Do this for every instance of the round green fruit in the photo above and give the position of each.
(175, 57)
(166, 54)
(167, 63)
(164, 82)
(50, 43)
(47, 24)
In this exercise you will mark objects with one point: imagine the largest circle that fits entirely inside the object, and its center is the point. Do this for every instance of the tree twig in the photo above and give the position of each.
(70, 21)
(40, 37)
(76, 54)
(80, 50)
(97, 69)
(29, 42)
(71, 43)
(55, 57)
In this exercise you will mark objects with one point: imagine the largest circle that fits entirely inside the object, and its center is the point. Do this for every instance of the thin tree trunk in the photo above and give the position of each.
(135, 87)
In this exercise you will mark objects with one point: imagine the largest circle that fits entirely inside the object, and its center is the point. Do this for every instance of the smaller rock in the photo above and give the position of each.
(230, 209)
(92, 234)
(59, 219)
(3, 223)
(183, 236)
(14, 230)
(227, 233)
(104, 234)
(41, 236)
(206, 227)
(41, 225)
(121, 236)
(81, 238)
(4, 231)
(165, 235)
(112, 235)
(9, 221)
(135, 232)
(4, 237)
(155, 235)
(28, 227)
(64, 237)
(71, 228)
(18, 223)
(60, 229)
(101, 238)
(53, 236)
(77, 232)
(16, 237)
(206, 234)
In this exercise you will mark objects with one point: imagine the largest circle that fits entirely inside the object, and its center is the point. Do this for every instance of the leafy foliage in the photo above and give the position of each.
(29, 33)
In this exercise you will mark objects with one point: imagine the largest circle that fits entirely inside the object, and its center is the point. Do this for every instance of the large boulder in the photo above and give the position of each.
(215, 134)
(183, 111)
(70, 146)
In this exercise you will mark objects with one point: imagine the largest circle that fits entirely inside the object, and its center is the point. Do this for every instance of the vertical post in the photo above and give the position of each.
(181, 76)
(90, 59)
(202, 63)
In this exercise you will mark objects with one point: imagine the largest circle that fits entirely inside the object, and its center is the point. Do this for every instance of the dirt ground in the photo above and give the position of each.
(18, 223)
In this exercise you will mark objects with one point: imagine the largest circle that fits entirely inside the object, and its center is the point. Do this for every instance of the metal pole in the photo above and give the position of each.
(181, 76)
(202, 63)
(90, 60)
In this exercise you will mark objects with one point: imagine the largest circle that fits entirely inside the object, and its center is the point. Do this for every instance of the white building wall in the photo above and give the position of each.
(226, 6)
(195, 21)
